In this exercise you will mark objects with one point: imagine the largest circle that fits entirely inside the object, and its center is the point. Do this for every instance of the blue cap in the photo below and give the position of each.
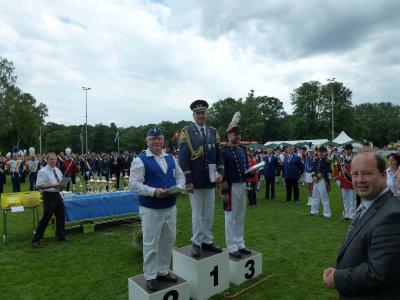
(15, 149)
(154, 132)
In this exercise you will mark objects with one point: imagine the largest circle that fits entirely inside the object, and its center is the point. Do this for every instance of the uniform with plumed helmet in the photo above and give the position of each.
(235, 194)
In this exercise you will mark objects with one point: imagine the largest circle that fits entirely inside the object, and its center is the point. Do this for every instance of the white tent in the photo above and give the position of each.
(314, 142)
(343, 138)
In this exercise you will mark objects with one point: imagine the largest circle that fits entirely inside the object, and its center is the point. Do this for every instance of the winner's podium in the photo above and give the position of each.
(167, 290)
(208, 275)
(245, 268)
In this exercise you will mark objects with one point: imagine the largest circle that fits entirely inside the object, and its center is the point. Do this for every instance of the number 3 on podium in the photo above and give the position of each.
(250, 264)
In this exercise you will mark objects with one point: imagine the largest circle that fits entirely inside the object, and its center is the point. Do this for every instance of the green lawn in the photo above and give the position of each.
(296, 248)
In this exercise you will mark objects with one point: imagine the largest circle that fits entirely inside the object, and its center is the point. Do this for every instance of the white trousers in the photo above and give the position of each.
(234, 219)
(349, 203)
(159, 233)
(202, 202)
(320, 194)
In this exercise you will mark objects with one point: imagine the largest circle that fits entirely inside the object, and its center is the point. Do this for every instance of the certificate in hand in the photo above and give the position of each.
(175, 190)
(65, 180)
(256, 167)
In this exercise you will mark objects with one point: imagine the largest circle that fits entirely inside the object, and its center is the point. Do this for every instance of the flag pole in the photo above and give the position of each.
(118, 142)
(40, 139)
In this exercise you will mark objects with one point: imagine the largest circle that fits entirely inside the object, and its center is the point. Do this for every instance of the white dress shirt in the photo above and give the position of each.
(391, 181)
(137, 173)
(46, 176)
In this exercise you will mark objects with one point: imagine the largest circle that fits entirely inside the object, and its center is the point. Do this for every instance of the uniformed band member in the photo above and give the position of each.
(2, 172)
(201, 161)
(15, 172)
(321, 184)
(342, 176)
(151, 174)
(49, 182)
(235, 194)
(308, 171)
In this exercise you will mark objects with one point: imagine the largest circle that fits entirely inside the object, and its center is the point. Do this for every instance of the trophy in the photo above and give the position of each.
(98, 185)
(104, 184)
(90, 185)
(126, 181)
(113, 183)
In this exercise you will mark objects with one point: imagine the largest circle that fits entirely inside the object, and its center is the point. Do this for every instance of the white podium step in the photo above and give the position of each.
(207, 275)
(167, 290)
(245, 268)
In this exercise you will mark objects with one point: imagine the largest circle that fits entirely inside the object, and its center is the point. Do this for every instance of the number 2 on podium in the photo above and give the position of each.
(214, 273)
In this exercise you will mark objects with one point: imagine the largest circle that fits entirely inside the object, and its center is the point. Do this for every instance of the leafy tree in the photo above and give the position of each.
(379, 122)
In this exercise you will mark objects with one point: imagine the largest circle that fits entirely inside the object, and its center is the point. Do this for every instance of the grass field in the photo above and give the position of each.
(296, 248)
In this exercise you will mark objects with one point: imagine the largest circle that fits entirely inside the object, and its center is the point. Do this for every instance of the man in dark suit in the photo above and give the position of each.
(292, 170)
(126, 163)
(115, 164)
(368, 264)
(271, 164)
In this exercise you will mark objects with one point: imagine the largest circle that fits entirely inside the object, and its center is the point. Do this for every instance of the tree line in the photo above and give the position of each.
(263, 118)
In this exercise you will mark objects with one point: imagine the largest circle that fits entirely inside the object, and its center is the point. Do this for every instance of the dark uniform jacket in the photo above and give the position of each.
(195, 155)
(235, 164)
(368, 264)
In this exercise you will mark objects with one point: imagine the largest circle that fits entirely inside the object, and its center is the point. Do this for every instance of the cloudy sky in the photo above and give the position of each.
(147, 60)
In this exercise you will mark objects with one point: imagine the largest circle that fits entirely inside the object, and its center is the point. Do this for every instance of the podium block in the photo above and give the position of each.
(167, 290)
(245, 268)
(207, 275)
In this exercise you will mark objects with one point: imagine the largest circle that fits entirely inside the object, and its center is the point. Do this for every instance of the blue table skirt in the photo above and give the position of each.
(100, 205)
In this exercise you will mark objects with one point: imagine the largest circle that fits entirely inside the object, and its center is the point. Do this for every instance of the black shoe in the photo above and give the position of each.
(168, 278)
(235, 254)
(36, 245)
(344, 219)
(211, 247)
(63, 239)
(152, 285)
(244, 251)
(313, 215)
(196, 252)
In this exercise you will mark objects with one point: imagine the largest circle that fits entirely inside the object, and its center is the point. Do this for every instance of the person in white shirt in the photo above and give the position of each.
(393, 171)
(33, 166)
(49, 182)
(152, 173)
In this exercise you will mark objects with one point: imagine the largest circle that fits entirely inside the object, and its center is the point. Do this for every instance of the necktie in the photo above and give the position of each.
(55, 174)
(203, 135)
(357, 216)
(290, 157)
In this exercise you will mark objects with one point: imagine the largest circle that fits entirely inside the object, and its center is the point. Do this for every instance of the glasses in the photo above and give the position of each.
(200, 112)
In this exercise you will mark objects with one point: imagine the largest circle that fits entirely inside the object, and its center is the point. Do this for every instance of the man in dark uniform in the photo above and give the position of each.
(321, 183)
(126, 163)
(200, 158)
(235, 194)
(115, 164)
(2, 172)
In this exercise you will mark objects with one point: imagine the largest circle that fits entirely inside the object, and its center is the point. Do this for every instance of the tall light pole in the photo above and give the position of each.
(86, 138)
(331, 81)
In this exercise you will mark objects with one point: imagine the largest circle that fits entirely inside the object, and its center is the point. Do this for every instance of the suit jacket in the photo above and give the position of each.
(270, 167)
(368, 264)
(294, 168)
(195, 155)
